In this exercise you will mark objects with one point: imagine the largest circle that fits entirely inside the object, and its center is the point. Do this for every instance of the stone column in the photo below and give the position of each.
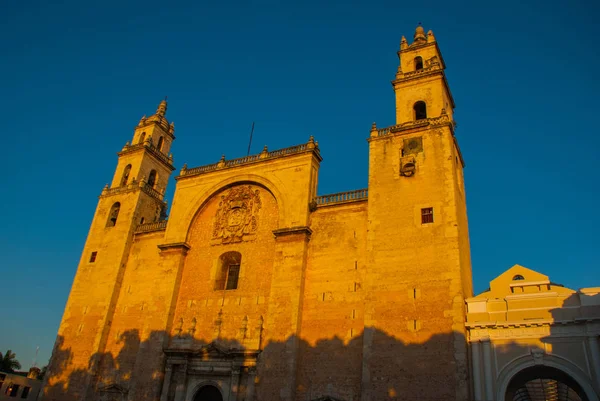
(487, 370)
(166, 383)
(594, 350)
(476, 369)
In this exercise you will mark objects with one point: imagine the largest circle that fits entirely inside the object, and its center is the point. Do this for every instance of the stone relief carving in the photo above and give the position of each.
(237, 215)
(538, 356)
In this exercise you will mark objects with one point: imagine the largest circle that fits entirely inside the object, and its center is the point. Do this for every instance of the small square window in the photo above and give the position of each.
(427, 215)
(93, 257)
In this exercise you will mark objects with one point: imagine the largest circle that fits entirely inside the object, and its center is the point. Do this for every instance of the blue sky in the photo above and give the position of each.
(76, 77)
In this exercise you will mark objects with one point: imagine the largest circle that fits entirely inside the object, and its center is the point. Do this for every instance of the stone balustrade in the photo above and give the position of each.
(150, 227)
(264, 155)
(168, 160)
(147, 188)
(342, 197)
(444, 119)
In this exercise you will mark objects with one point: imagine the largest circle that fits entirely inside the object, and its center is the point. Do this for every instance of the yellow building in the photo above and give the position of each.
(256, 288)
(533, 339)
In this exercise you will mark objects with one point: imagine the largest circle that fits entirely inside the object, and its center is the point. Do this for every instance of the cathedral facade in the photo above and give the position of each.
(257, 288)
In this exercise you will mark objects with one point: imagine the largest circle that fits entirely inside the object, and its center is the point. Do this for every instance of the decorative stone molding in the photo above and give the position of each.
(538, 355)
(441, 121)
(176, 246)
(298, 230)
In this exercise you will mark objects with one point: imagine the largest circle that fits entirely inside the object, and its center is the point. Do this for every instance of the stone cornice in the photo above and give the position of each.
(418, 74)
(399, 129)
(174, 246)
(302, 230)
(213, 350)
(416, 46)
(306, 148)
(157, 154)
(147, 122)
(529, 323)
(134, 186)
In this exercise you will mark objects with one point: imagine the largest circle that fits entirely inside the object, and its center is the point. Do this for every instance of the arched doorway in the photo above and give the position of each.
(208, 393)
(542, 383)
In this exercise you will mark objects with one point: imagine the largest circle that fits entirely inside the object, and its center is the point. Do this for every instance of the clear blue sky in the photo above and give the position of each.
(76, 77)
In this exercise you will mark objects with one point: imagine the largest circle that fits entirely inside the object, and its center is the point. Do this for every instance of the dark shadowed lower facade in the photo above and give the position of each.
(256, 288)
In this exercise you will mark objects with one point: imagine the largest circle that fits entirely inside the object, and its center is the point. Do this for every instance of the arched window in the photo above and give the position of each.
(518, 277)
(418, 63)
(113, 215)
(152, 178)
(160, 143)
(125, 176)
(142, 137)
(420, 110)
(229, 271)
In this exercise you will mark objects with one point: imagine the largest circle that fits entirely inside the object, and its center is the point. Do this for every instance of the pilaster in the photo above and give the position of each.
(476, 369)
(166, 383)
(487, 370)
(594, 353)
(285, 311)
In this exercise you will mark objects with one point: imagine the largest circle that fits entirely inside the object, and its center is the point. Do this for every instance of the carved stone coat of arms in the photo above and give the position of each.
(237, 215)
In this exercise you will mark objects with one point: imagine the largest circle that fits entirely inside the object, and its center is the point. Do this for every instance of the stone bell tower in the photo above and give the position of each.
(135, 197)
(419, 269)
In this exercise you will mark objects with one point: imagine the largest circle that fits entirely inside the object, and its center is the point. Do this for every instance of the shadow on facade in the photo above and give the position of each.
(370, 366)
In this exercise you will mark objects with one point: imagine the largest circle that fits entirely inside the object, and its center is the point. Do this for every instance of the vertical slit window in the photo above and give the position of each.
(125, 176)
(152, 178)
(233, 275)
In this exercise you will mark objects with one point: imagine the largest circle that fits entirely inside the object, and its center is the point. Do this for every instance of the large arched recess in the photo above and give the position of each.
(251, 179)
(247, 212)
(517, 365)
